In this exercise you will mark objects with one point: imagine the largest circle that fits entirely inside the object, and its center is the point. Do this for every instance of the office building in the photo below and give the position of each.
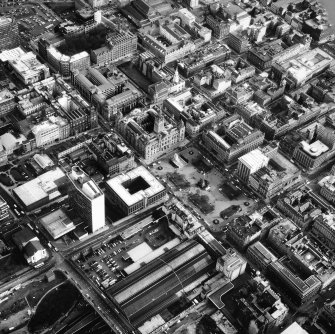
(97, 85)
(260, 256)
(66, 64)
(231, 264)
(24, 65)
(118, 45)
(135, 190)
(250, 163)
(51, 130)
(239, 41)
(87, 199)
(297, 289)
(9, 33)
(236, 138)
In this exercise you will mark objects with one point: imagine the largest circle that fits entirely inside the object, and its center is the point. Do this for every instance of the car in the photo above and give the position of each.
(246, 203)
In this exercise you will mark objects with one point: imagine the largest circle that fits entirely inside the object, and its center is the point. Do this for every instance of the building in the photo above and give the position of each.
(111, 154)
(66, 64)
(277, 176)
(194, 109)
(219, 27)
(135, 190)
(309, 259)
(7, 102)
(97, 85)
(213, 53)
(280, 234)
(238, 40)
(236, 139)
(150, 133)
(213, 81)
(262, 306)
(23, 237)
(118, 45)
(328, 312)
(324, 227)
(318, 145)
(294, 328)
(250, 163)
(260, 255)
(4, 213)
(294, 287)
(231, 264)
(182, 217)
(57, 224)
(9, 33)
(327, 188)
(154, 286)
(267, 54)
(51, 130)
(301, 68)
(247, 229)
(35, 254)
(179, 41)
(40, 190)
(285, 114)
(24, 65)
(122, 103)
(87, 199)
(302, 206)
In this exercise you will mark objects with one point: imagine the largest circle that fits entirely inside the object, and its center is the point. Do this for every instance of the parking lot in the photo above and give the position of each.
(104, 263)
(197, 168)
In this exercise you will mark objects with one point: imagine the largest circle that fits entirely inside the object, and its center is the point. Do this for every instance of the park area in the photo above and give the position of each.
(208, 203)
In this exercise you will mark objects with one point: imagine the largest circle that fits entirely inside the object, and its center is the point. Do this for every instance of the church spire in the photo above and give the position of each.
(176, 78)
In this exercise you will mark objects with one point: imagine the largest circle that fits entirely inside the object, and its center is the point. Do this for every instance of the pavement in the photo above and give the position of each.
(215, 177)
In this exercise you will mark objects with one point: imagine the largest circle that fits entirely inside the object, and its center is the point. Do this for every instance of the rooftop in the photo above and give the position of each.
(135, 185)
(57, 224)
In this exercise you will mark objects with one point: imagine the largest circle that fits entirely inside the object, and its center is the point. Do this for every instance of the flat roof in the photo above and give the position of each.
(215, 297)
(117, 185)
(38, 188)
(139, 251)
(57, 223)
(254, 159)
(294, 328)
